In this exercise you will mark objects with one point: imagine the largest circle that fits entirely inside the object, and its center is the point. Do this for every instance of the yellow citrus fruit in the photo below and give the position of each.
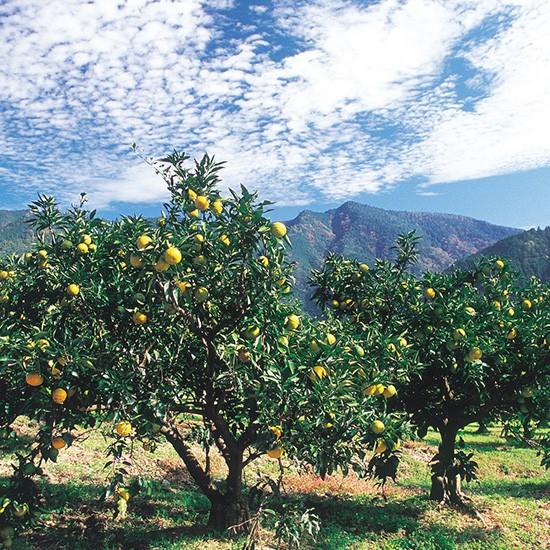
(73, 289)
(82, 248)
(278, 229)
(92, 247)
(252, 332)
(496, 305)
(59, 396)
(275, 453)
(225, 240)
(263, 260)
(217, 207)
(377, 427)
(139, 318)
(389, 391)
(34, 379)
(136, 261)
(314, 346)
(58, 443)
(499, 264)
(470, 311)
(526, 304)
(202, 203)
(199, 260)
(276, 431)
(363, 268)
(459, 334)
(370, 390)
(381, 447)
(172, 255)
(42, 343)
(511, 312)
(402, 342)
(124, 428)
(330, 339)
(123, 493)
(86, 239)
(512, 334)
(474, 355)
(201, 294)
(429, 293)
(318, 372)
(191, 194)
(143, 241)
(183, 286)
(243, 355)
(396, 445)
(161, 266)
(380, 389)
(193, 213)
(43, 254)
(4, 274)
(292, 322)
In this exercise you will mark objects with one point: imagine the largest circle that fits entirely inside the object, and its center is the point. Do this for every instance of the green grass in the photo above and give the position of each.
(512, 499)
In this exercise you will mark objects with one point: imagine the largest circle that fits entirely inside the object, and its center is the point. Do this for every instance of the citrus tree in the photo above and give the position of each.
(475, 344)
(182, 330)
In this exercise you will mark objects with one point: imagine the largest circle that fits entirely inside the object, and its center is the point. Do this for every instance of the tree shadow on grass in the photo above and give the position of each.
(346, 521)
(517, 489)
(75, 517)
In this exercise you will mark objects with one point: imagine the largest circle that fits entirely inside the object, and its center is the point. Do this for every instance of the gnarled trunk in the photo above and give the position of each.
(446, 483)
(230, 510)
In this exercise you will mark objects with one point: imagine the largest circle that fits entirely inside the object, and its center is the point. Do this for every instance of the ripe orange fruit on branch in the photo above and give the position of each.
(474, 355)
(58, 443)
(172, 256)
(124, 428)
(292, 322)
(275, 453)
(139, 318)
(243, 355)
(429, 293)
(380, 447)
(161, 266)
(34, 379)
(143, 241)
(202, 203)
(201, 294)
(59, 396)
(217, 207)
(278, 229)
(377, 427)
(136, 261)
(86, 239)
(318, 372)
(276, 431)
(82, 248)
(73, 289)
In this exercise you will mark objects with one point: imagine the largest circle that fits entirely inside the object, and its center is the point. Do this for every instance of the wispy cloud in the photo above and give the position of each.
(327, 97)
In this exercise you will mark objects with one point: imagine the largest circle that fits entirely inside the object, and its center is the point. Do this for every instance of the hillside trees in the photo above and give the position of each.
(178, 327)
(477, 344)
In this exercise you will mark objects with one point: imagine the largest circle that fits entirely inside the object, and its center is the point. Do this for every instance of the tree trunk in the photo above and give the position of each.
(482, 429)
(230, 510)
(446, 483)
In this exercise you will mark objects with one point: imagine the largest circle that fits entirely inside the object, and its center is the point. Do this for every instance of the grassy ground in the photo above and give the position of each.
(512, 498)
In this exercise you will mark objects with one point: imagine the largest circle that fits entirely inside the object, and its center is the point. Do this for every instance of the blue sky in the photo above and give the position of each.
(440, 105)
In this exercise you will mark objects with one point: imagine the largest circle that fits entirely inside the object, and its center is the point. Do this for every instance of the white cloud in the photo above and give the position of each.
(332, 98)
